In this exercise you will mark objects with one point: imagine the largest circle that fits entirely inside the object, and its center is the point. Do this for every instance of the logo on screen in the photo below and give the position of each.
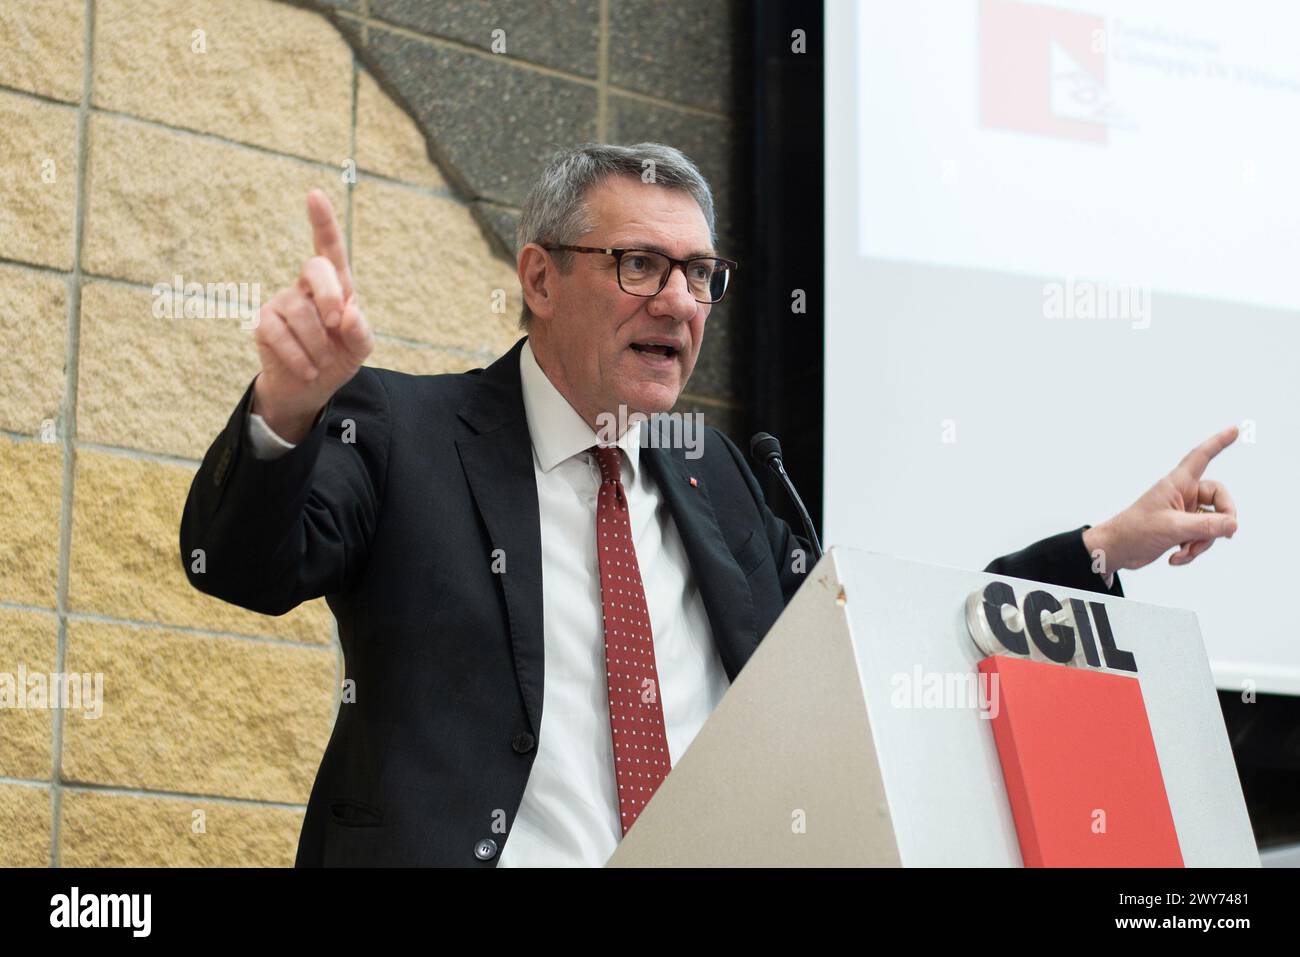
(1043, 71)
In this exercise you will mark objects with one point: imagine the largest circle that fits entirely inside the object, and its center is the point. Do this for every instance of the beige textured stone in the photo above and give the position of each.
(42, 46)
(28, 641)
(33, 342)
(31, 496)
(26, 823)
(199, 714)
(126, 560)
(38, 167)
(425, 271)
(273, 75)
(163, 203)
(119, 830)
(388, 141)
(422, 360)
(151, 382)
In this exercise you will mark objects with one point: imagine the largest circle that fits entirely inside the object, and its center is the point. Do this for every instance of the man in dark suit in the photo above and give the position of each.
(503, 556)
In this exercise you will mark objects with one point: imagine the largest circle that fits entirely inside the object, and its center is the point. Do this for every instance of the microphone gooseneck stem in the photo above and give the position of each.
(778, 466)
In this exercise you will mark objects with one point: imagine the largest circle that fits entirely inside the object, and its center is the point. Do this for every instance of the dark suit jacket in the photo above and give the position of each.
(396, 528)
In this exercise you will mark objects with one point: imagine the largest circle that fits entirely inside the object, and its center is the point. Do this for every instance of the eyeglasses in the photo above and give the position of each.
(644, 272)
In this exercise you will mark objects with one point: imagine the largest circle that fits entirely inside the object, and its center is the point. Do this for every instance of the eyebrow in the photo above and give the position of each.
(652, 247)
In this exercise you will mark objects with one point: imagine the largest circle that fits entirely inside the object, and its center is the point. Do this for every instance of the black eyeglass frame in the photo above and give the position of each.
(618, 254)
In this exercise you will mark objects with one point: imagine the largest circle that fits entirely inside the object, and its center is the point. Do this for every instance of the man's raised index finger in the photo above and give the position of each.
(1198, 458)
(328, 238)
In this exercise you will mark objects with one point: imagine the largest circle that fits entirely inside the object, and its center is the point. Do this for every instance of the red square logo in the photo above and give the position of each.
(1080, 767)
(1043, 71)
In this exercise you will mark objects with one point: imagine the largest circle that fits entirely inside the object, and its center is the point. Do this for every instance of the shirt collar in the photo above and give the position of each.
(558, 431)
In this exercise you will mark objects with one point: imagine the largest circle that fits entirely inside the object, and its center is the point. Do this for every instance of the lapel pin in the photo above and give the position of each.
(694, 483)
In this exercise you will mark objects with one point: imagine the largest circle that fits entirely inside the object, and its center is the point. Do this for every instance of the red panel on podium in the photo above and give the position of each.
(1080, 766)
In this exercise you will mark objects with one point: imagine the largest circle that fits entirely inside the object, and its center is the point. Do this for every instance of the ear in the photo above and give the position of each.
(536, 275)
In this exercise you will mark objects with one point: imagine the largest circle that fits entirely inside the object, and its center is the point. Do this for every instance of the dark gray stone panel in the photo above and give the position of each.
(674, 49)
(564, 34)
(492, 124)
(325, 6)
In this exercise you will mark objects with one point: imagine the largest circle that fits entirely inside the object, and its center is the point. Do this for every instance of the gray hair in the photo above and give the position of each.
(556, 208)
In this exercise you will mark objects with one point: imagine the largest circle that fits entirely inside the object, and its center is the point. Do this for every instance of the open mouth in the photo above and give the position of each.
(667, 352)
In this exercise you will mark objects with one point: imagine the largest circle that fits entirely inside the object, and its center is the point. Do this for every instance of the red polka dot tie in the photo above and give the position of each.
(636, 714)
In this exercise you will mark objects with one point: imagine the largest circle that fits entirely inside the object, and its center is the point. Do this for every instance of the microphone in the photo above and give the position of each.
(766, 450)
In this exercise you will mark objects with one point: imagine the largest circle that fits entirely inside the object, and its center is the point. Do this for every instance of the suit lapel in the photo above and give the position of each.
(498, 464)
(726, 594)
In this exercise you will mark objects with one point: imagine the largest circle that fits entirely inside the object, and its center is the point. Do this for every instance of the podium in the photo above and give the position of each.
(860, 733)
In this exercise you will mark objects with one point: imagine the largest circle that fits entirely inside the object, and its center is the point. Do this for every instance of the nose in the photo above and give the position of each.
(675, 298)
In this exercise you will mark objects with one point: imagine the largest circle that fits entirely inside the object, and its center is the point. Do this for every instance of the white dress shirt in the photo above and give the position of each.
(569, 815)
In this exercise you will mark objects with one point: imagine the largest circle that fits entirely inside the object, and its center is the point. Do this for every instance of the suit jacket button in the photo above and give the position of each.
(485, 849)
(523, 742)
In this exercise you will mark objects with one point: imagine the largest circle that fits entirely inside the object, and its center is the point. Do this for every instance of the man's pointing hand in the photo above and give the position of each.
(1182, 509)
(311, 336)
